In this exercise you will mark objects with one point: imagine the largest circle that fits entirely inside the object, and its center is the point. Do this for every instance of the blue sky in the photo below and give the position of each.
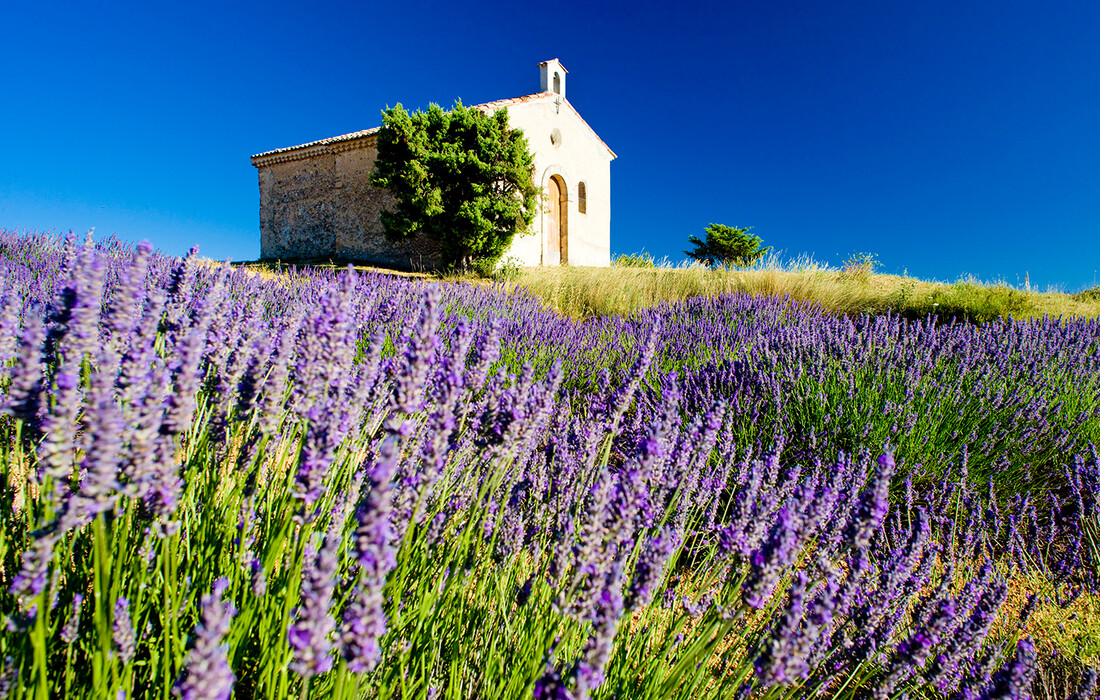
(948, 138)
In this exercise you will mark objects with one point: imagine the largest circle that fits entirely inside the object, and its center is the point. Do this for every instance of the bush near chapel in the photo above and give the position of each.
(726, 245)
(461, 178)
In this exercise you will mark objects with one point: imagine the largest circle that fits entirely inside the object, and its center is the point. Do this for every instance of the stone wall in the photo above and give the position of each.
(320, 205)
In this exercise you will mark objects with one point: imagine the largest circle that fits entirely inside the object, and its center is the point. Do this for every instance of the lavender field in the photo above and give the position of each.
(326, 484)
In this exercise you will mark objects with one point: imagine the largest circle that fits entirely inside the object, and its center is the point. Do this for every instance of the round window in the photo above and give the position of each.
(555, 137)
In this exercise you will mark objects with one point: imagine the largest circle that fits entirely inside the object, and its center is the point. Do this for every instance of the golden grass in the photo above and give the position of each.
(583, 292)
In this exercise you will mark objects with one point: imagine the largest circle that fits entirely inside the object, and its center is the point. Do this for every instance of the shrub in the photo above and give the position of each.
(727, 246)
(462, 178)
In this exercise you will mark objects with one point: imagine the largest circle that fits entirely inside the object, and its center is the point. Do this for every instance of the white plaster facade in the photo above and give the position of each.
(316, 201)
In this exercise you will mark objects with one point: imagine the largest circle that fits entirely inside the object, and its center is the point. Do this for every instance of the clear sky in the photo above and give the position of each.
(949, 138)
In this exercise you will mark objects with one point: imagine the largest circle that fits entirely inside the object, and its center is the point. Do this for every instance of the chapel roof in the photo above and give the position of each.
(358, 138)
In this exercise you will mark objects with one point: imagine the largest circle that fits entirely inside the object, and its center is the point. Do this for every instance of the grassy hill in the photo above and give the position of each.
(583, 292)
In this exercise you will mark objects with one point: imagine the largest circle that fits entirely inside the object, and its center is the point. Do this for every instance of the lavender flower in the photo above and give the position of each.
(71, 630)
(486, 353)
(873, 505)
(11, 307)
(650, 568)
(59, 425)
(206, 673)
(1013, 682)
(311, 633)
(364, 621)
(364, 624)
(947, 670)
(783, 660)
(122, 632)
(411, 374)
(589, 671)
(770, 560)
(9, 676)
(22, 401)
(100, 487)
(315, 460)
(129, 296)
(912, 654)
(259, 578)
(33, 575)
(551, 686)
(1087, 687)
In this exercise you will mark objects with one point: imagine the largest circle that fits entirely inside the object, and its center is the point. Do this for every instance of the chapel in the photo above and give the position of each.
(316, 201)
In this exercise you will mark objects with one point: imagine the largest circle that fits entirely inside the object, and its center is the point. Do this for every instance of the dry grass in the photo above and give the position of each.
(583, 292)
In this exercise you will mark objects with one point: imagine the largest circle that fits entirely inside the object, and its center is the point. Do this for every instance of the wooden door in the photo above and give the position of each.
(553, 226)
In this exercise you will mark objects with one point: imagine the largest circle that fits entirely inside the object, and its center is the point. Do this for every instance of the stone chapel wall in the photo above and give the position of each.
(321, 206)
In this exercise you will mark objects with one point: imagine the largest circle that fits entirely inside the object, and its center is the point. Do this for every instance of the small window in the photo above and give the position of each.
(582, 198)
(557, 83)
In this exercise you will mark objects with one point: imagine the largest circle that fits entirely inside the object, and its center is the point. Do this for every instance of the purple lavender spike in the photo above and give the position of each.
(11, 308)
(122, 632)
(874, 505)
(589, 671)
(649, 571)
(59, 425)
(1086, 689)
(22, 401)
(100, 487)
(9, 676)
(206, 673)
(33, 575)
(364, 621)
(127, 301)
(315, 460)
(71, 630)
(1013, 682)
(259, 578)
(552, 685)
(949, 667)
(412, 371)
(487, 352)
(311, 633)
(783, 658)
(769, 561)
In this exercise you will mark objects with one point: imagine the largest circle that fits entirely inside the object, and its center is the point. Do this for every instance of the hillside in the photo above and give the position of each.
(586, 292)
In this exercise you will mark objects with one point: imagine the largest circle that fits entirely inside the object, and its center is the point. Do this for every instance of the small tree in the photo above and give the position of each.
(461, 178)
(726, 245)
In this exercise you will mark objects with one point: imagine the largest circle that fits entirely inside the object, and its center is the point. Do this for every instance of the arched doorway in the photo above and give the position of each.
(557, 225)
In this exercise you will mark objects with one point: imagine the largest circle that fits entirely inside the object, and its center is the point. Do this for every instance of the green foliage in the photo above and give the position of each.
(462, 178)
(727, 246)
(642, 259)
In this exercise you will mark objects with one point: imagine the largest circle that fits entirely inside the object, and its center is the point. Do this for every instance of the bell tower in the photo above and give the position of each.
(552, 77)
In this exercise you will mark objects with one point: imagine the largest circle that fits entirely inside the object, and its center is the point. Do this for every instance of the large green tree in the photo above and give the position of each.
(727, 245)
(461, 178)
